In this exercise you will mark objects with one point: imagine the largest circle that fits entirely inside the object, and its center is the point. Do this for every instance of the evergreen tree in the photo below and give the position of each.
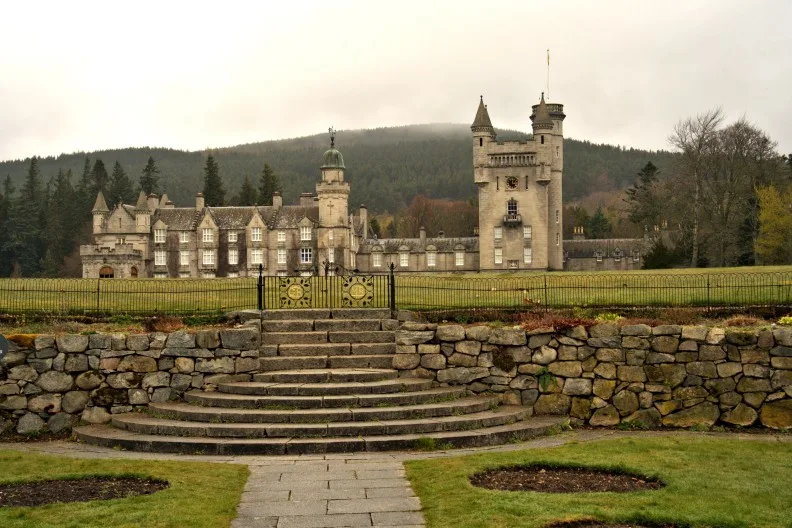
(26, 240)
(149, 180)
(644, 205)
(214, 194)
(86, 194)
(120, 187)
(6, 254)
(99, 177)
(61, 226)
(247, 194)
(661, 257)
(269, 184)
(374, 228)
(599, 225)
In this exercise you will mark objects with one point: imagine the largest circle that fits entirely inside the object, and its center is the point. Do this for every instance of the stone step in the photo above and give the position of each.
(317, 349)
(148, 424)
(287, 326)
(269, 364)
(373, 361)
(383, 336)
(368, 349)
(118, 438)
(305, 314)
(359, 313)
(277, 338)
(348, 325)
(195, 413)
(326, 375)
(241, 401)
(325, 389)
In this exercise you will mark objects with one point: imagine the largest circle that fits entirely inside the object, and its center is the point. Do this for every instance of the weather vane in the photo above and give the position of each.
(332, 137)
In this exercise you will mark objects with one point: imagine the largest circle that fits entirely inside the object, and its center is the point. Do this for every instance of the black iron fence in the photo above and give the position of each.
(518, 291)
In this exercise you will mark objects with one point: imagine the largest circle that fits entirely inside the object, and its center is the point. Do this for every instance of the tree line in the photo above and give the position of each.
(43, 223)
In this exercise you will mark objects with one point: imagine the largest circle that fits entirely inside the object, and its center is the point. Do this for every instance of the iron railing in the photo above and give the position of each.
(518, 291)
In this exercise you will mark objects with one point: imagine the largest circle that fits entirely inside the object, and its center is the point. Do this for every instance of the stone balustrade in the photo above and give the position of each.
(676, 376)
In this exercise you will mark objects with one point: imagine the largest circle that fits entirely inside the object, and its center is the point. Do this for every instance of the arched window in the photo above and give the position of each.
(133, 272)
(106, 272)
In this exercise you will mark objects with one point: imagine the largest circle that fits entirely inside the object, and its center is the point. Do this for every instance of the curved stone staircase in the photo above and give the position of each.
(325, 385)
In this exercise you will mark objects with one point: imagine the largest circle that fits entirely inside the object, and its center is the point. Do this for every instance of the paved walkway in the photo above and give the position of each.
(340, 490)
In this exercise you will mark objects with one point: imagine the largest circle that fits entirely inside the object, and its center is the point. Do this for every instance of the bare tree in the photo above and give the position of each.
(695, 138)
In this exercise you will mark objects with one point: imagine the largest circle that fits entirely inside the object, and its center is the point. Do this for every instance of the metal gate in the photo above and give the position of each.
(326, 291)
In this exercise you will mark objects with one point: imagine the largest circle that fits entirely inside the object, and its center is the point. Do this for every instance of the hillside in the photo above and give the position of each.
(387, 167)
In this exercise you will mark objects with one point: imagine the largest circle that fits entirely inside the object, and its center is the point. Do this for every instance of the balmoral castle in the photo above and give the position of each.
(520, 224)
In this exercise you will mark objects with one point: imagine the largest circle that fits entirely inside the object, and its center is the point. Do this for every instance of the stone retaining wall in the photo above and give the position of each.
(677, 376)
(48, 383)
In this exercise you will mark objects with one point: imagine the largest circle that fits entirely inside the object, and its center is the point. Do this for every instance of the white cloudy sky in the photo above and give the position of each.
(91, 75)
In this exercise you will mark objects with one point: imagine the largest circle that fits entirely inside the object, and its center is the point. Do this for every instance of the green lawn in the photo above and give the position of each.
(709, 483)
(687, 287)
(201, 495)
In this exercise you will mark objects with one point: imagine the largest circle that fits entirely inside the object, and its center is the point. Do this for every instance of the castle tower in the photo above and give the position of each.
(333, 196)
(142, 214)
(547, 122)
(100, 213)
(520, 192)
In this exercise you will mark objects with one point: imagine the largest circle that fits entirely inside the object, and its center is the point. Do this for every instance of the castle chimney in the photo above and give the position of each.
(422, 235)
(579, 233)
(277, 199)
(364, 220)
(306, 199)
(153, 202)
(199, 201)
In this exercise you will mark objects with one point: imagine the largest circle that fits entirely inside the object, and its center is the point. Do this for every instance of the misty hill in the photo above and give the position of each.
(386, 167)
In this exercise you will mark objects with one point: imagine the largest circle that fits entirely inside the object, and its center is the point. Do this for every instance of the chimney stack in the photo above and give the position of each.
(363, 213)
(199, 201)
(422, 235)
(277, 199)
(306, 199)
(579, 233)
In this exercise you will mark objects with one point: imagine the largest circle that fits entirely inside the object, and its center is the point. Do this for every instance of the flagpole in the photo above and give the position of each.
(548, 74)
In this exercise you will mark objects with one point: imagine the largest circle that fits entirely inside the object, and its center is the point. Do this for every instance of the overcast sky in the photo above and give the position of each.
(86, 76)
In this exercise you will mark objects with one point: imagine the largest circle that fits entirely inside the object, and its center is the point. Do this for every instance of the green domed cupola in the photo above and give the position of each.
(332, 158)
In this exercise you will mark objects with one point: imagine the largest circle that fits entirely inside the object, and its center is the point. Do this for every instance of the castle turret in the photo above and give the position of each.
(100, 212)
(142, 214)
(483, 135)
(333, 191)
(547, 122)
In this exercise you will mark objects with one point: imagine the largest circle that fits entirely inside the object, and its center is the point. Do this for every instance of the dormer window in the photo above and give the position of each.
(159, 236)
(208, 235)
(305, 233)
(255, 234)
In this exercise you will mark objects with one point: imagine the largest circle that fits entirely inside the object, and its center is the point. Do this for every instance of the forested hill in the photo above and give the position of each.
(386, 167)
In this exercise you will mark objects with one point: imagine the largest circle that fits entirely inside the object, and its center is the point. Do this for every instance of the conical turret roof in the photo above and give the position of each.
(541, 117)
(100, 206)
(482, 119)
(142, 202)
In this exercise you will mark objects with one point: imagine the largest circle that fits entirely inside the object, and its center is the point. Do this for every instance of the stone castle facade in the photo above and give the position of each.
(520, 224)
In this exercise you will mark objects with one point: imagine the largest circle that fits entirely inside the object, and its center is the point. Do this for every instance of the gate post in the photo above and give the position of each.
(260, 288)
(392, 287)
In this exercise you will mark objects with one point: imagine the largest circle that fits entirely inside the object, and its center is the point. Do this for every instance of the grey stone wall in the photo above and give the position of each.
(48, 383)
(676, 376)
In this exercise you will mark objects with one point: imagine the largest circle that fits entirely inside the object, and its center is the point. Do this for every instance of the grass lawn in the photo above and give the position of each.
(679, 287)
(710, 482)
(200, 494)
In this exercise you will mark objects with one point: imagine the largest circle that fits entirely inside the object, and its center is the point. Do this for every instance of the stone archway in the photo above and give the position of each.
(106, 272)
